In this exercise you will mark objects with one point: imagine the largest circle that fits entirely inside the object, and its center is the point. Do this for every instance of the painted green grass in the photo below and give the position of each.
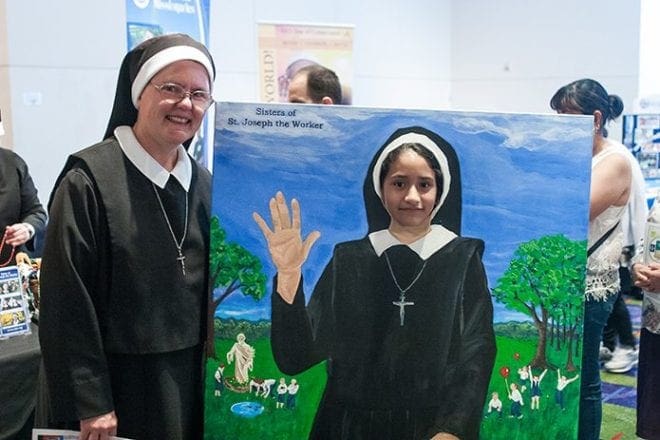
(549, 422)
(273, 423)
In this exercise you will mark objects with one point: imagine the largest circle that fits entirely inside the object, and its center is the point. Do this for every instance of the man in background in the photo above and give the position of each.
(315, 84)
(21, 214)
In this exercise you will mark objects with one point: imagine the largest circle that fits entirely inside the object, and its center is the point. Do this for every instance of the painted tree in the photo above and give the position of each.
(232, 268)
(546, 279)
(574, 313)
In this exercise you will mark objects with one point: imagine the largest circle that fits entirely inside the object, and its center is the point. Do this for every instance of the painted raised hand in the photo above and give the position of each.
(287, 248)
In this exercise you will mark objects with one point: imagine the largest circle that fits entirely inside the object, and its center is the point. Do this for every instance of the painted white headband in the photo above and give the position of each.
(425, 141)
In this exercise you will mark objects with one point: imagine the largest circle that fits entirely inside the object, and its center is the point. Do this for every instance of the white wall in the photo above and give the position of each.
(512, 55)
(4, 76)
(67, 55)
(509, 55)
(649, 50)
(401, 50)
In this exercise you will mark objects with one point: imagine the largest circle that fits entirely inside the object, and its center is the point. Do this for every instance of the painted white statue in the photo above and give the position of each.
(243, 355)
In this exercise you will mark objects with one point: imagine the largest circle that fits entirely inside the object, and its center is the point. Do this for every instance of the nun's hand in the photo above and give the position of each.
(285, 244)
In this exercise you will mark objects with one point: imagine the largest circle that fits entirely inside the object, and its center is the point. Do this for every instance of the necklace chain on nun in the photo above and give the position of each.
(178, 244)
(402, 303)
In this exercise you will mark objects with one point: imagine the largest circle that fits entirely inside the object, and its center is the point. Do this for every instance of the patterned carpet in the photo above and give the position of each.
(620, 392)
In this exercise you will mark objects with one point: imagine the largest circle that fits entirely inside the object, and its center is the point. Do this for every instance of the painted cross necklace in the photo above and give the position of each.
(402, 303)
(178, 244)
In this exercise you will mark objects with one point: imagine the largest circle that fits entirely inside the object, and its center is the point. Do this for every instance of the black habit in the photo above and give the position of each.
(121, 326)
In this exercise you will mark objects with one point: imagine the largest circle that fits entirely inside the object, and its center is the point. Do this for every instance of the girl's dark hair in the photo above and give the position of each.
(423, 152)
(586, 96)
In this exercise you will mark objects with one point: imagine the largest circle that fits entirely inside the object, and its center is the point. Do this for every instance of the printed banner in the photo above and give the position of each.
(149, 18)
(14, 315)
(286, 48)
(641, 134)
(396, 338)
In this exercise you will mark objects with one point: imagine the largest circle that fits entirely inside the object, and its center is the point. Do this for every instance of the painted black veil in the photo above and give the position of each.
(448, 214)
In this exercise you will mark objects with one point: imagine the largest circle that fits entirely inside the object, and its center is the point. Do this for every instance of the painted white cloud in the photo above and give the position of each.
(543, 128)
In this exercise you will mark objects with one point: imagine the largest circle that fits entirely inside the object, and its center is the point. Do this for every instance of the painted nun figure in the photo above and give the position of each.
(403, 316)
(124, 276)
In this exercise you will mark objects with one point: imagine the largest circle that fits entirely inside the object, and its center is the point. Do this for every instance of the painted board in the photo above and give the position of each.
(525, 193)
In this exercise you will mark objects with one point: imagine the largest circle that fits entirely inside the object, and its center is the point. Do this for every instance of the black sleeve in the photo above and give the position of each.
(300, 335)
(70, 329)
(477, 353)
(32, 211)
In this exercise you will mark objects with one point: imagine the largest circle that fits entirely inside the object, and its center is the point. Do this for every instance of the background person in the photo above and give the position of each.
(284, 80)
(124, 274)
(610, 190)
(618, 339)
(21, 214)
(315, 84)
(646, 276)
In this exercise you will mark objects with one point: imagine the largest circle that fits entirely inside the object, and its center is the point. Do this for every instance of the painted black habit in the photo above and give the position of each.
(387, 380)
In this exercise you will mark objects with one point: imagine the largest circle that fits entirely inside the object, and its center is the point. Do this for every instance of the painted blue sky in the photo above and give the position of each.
(523, 176)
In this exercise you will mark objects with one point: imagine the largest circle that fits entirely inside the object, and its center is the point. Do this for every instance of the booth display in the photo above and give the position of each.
(20, 354)
(14, 316)
(285, 48)
(641, 134)
(19, 296)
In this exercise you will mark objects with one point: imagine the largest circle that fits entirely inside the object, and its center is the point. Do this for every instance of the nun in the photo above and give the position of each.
(403, 316)
(124, 275)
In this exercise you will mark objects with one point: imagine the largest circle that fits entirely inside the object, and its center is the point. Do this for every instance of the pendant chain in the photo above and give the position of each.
(178, 244)
(403, 291)
(2, 246)
(402, 303)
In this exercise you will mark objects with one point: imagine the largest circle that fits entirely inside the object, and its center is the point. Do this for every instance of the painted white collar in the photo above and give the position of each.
(436, 239)
(148, 165)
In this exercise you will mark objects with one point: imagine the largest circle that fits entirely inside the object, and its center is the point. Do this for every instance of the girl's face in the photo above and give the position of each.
(409, 193)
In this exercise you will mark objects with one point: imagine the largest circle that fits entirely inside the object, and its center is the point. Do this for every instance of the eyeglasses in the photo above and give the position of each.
(174, 93)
